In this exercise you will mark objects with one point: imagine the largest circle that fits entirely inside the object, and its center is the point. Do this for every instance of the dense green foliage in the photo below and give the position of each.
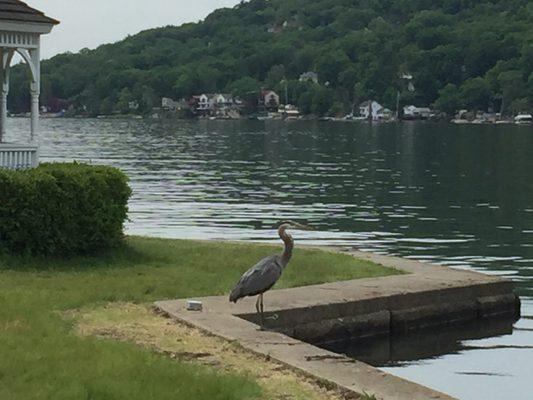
(461, 53)
(62, 209)
(43, 359)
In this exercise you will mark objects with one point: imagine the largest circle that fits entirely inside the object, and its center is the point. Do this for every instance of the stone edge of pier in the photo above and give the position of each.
(425, 296)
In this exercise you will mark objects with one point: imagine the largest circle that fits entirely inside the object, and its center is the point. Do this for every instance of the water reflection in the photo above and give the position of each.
(401, 349)
(460, 196)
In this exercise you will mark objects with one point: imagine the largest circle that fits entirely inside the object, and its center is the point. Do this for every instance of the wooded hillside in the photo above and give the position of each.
(461, 53)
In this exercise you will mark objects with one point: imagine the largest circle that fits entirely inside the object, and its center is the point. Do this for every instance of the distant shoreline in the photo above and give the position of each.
(303, 119)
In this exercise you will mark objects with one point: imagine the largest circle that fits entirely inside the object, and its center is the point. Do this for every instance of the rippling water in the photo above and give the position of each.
(460, 196)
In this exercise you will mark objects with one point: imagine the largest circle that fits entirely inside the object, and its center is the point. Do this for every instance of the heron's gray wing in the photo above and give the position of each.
(259, 278)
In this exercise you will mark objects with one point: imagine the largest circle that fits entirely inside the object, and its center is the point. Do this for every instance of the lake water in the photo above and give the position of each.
(460, 196)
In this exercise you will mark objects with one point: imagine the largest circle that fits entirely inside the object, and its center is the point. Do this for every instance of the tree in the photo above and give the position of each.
(322, 101)
(244, 87)
(348, 80)
(449, 100)
(107, 106)
(338, 109)
(247, 89)
(529, 88)
(275, 75)
(475, 94)
(331, 64)
(519, 105)
(124, 99)
(512, 87)
(305, 102)
(358, 94)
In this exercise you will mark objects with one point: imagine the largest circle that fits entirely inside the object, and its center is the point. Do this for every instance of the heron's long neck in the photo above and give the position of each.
(289, 245)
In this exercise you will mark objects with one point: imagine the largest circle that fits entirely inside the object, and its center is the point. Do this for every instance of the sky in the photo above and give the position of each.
(95, 22)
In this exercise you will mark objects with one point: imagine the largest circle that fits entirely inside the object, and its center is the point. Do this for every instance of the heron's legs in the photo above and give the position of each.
(262, 306)
(258, 308)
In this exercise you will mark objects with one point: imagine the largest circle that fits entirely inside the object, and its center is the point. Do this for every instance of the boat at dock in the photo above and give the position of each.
(523, 119)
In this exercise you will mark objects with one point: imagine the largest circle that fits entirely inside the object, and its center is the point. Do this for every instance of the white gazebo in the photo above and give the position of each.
(21, 28)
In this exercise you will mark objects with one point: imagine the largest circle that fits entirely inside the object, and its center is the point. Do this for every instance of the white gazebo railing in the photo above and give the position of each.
(21, 28)
(18, 156)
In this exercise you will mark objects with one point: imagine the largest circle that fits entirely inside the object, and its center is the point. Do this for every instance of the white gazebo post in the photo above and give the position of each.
(35, 86)
(21, 28)
(6, 56)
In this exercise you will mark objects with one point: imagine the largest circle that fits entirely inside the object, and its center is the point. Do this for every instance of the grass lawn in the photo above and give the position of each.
(43, 357)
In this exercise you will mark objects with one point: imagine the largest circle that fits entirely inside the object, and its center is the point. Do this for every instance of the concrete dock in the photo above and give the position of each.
(425, 296)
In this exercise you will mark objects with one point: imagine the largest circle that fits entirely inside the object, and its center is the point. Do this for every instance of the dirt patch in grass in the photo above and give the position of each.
(140, 325)
(14, 326)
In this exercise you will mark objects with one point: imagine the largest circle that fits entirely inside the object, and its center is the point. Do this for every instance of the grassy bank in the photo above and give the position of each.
(43, 357)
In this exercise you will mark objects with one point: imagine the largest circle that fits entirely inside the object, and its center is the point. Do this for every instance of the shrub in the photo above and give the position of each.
(62, 209)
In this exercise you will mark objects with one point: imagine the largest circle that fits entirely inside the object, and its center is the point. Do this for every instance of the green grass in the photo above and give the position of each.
(43, 359)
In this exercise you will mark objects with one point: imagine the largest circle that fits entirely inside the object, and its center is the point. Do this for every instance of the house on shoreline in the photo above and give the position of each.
(374, 111)
(412, 112)
(215, 105)
(269, 99)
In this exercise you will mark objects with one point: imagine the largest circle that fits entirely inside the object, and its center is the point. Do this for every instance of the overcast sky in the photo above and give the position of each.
(89, 23)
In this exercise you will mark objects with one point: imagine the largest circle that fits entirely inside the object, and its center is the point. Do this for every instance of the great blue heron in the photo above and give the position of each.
(262, 276)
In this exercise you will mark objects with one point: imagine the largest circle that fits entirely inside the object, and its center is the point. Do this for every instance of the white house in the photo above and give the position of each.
(21, 27)
(309, 76)
(413, 112)
(215, 104)
(169, 104)
(408, 78)
(223, 100)
(226, 106)
(204, 102)
(270, 99)
(373, 110)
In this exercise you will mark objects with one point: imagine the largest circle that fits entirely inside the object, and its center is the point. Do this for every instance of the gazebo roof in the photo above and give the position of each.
(18, 11)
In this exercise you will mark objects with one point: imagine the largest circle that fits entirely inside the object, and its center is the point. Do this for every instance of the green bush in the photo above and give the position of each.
(62, 209)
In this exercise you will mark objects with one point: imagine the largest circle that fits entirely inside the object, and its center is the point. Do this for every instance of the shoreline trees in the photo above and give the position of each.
(473, 54)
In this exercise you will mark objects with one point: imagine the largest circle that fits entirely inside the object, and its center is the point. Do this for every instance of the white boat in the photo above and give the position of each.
(523, 119)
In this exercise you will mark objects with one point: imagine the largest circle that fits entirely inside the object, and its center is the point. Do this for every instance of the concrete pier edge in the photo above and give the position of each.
(426, 296)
